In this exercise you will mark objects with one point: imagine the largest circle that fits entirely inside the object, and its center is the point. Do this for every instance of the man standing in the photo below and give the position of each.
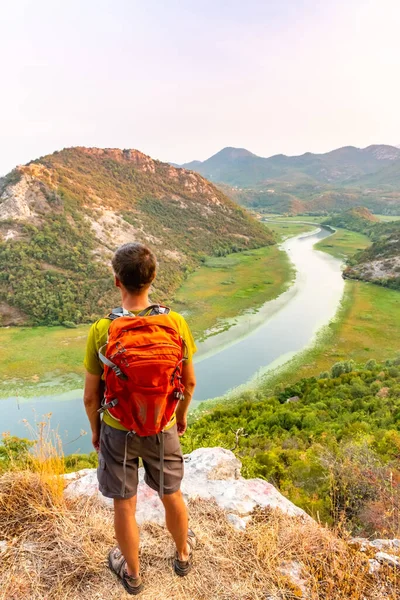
(120, 447)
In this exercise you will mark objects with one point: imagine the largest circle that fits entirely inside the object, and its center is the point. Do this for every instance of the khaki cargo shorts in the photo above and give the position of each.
(110, 472)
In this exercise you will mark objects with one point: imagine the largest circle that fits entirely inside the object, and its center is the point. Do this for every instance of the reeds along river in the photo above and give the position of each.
(256, 341)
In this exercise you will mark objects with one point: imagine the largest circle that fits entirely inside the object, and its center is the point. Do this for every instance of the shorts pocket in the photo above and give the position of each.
(172, 444)
(102, 473)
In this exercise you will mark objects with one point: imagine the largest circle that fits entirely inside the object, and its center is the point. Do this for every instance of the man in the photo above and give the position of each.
(134, 268)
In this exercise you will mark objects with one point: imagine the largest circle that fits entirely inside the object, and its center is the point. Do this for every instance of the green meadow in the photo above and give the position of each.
(286, 229)
(224, 287)
(343, 243)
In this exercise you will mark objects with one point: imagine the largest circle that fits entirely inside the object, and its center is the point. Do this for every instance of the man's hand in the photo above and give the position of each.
(92, 400)
(181, 423)
(189, 381)
(96, 441)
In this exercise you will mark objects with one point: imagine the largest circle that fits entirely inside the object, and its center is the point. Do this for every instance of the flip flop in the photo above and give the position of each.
(117, 564)
(183, 567)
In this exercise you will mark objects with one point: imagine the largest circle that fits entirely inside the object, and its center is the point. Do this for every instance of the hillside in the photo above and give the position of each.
(356, 219)
(336, 180)
(61, 217)
(380, 262)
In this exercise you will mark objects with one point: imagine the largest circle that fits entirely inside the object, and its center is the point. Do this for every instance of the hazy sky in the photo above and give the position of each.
(182, 79)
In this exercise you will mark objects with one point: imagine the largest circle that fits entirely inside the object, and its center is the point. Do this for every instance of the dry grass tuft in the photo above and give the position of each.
(56, 550)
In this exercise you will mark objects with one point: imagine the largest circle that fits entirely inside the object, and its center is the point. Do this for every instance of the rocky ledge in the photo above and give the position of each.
(210, 473)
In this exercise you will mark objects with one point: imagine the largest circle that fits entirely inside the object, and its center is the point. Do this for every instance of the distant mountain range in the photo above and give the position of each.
(63, 215)
(335, 180)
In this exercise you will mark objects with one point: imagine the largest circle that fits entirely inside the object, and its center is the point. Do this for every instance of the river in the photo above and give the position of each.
(256, 341)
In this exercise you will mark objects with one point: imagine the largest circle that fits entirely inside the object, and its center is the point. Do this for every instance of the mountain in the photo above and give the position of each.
(336, 180)
(355, 219)
(380, 262)
(239, 167)
(63, 215)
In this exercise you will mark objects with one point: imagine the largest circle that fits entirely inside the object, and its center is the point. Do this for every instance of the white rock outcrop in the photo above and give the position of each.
(210, 473)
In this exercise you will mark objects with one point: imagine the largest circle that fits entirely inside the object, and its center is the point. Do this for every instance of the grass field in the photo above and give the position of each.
(35, 356)
(225, 287)
(286, 229)
(388, 217)
(343, 243)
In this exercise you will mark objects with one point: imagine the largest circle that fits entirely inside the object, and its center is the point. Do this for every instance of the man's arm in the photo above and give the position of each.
(189, 381)
(92, 397)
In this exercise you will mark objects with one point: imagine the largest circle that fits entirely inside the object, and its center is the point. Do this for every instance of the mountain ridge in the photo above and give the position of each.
(63, 215)
(335, 180)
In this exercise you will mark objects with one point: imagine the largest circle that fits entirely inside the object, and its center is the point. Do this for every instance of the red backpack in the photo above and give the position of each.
(143, 369)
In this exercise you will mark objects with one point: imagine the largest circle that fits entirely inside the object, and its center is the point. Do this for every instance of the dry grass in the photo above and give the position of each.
(57, 548)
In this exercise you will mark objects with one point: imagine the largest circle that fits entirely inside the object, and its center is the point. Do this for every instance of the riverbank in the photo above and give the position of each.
(344, 243)
(37, 361)
(225, 287)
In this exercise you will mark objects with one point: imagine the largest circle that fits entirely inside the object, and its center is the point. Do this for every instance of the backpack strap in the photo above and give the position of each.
(150, 311)
(153, 310)
(118, 312)
(110, 364)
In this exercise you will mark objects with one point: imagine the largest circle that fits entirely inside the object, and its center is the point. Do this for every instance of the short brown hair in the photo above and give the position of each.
(135, 266)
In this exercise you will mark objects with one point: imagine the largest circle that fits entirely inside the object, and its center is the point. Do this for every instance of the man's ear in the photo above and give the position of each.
(117, 282)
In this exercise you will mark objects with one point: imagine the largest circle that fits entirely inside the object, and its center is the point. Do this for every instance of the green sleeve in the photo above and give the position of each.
(188, 339)
(92, 363)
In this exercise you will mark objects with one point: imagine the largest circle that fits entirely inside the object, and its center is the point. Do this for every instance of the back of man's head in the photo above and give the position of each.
(134, 266)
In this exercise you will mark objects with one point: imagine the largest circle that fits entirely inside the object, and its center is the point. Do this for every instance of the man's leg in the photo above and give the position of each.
(176, 517)
(127, 532)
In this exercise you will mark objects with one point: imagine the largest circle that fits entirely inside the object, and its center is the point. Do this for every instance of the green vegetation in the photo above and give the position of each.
(285, 229)
(356, 219)
(48, 356)
(329, 443)
(86, 202)
(224, 287)
(343, 243)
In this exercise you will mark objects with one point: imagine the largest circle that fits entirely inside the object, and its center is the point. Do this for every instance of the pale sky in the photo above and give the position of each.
(180, 80)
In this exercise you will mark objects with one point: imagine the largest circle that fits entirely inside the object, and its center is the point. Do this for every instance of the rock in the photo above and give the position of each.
(210, 473)
(374, 566)
(388, 559)
(360, 543)
(381, 544)
(3, 546)
(293, 399)
(292, 569)
(237, 522)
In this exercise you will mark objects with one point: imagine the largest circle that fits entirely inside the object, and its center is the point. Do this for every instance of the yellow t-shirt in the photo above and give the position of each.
(97, 337)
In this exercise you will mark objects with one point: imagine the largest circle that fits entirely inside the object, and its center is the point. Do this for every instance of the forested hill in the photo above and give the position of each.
(356, 219)
(63, 215)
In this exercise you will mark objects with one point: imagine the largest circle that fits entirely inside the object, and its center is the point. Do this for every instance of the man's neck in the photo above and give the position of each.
(133, 302)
